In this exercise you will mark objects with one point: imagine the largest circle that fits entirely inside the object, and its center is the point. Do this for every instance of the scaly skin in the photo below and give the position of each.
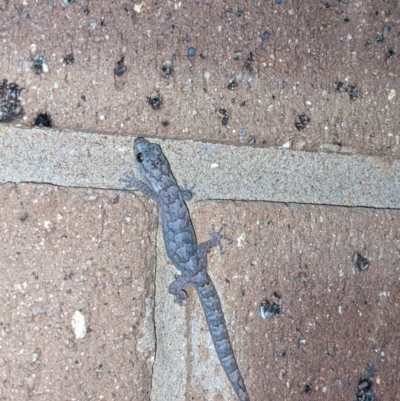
(182, 249)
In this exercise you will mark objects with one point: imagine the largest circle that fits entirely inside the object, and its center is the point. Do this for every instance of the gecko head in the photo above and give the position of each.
(150, 161)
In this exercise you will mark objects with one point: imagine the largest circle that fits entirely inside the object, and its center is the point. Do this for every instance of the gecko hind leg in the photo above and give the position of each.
(177, 288)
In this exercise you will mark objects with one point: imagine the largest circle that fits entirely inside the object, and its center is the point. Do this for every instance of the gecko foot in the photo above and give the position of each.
(186, 192)
(216, 237)
(129, 179)
(177, 287)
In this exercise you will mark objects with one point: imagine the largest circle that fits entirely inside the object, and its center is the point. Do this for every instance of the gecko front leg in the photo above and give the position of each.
(215, 240)
(131, 181)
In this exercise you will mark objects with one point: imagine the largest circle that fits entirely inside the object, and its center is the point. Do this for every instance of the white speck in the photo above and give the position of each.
(48, 225)
(45, 67)
(302, 342)
(33, 47)
(93, 25)
(286, 145)
(107, 37)
(55, 85)
(326, 128)
(340, 309)
(249, 79)
(392, 94)
(239, 76)
(324, 389)
(35, 310)
(240, 240)
(138, 7)
(214, 165)
(382, 354)
(34, 358)
(383, 294)
(207, 75)
(270, 107)
(177, 5)
(349, 36)
(321, 219)
(78, 324)
(308, 103)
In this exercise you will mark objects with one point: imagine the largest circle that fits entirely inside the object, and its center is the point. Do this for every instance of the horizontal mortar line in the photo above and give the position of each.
(196, 201)
(288, 204)
(98, 161)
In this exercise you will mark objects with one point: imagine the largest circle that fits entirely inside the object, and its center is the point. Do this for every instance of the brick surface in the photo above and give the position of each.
(334, 62)
(63, 251)
(337, 325)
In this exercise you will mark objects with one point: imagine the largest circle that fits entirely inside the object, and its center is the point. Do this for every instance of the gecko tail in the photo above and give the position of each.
(219, 333)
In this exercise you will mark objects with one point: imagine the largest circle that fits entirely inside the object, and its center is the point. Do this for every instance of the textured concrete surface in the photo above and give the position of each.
(218, 171)
(266, 64)
(63, 251)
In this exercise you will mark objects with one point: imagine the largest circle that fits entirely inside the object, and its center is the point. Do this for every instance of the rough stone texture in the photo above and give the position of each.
(71, 250)
(309, 75)
(218, 171)
(303, 258)
(336, 62)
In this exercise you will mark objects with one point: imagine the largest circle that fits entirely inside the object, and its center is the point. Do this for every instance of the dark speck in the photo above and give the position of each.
(249, 60)
(301, 121)
(225, 113)
(154, 101)
(380, 38)
(307, 388)
(364, 391)
(69, 59)
(268, 309)
(83, 97)
(120, 67)
(232, 86)
(237, 56)
(23, 216)
(43, 120)
(339, 85)
(390, 53)
(370, 369)
(10, 105)
(361, 262)
(347, 19)
(165, 123)
(37, 64)
(191, 52)
(278, 2)
(387, 29)
(265, 36)
(239, 12)
(167, 70)
(354, 92)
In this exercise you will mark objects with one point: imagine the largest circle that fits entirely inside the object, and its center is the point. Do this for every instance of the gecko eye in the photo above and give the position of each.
(140, 157)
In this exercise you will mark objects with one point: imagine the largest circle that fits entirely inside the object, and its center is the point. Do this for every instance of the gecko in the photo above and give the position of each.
(190, 258)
